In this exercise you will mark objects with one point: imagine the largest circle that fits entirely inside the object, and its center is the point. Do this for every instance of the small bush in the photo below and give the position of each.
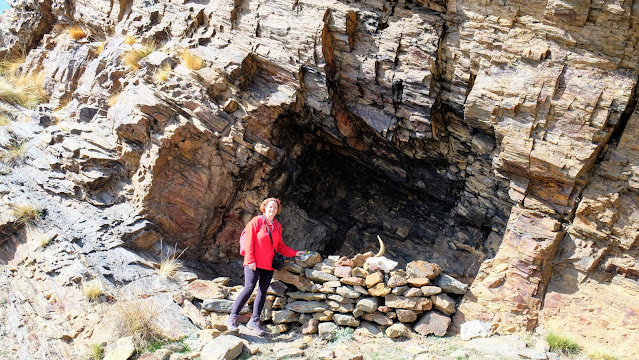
(560, 343)
(76, 33)
(162, 74)
(97, 351)
(27, 214)
(92, 289)
(191, 61)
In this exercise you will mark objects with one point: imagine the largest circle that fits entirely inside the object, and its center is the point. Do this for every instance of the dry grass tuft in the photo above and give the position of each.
(14, 154)
(98, 50)
(10, 66)
(76, 33)
(601, 355)
(162, 74)
(92, 289)
(43, 240)
(26, 214)
(137, 319)
(132, 57)
(4, 119)
(113, 99)
(24, 90)
(130, 40)
(191, 61)
(170, 266)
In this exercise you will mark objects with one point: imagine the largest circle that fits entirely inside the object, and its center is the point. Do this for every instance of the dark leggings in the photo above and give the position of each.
(250, 279)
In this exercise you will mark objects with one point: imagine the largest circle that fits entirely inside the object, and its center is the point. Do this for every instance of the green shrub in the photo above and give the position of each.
(560, 343)
(97, 351)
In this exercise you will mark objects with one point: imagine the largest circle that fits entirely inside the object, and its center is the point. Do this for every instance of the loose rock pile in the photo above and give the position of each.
(338, 291)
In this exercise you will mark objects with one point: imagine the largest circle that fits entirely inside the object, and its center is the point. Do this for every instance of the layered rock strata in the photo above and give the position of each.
(491, 137)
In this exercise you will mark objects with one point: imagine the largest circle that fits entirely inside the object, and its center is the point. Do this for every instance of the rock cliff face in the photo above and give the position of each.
(496, 138)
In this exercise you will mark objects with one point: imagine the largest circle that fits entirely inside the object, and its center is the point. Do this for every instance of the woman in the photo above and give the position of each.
(258, 259)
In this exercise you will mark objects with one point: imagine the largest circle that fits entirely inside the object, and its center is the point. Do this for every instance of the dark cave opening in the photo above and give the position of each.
(344, 191)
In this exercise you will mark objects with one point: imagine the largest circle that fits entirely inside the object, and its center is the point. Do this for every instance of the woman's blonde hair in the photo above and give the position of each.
(266, 201)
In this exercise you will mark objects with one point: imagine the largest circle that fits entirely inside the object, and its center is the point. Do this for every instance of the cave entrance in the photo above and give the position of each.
(343, 200)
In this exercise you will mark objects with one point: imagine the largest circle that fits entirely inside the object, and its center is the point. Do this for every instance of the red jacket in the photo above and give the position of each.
(257, 243)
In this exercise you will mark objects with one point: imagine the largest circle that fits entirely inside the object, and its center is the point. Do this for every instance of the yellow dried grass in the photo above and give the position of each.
(191, 61)
(24, 90)
(76, 33)
(162, 74)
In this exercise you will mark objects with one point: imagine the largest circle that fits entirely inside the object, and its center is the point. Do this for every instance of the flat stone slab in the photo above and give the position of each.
(508, 345)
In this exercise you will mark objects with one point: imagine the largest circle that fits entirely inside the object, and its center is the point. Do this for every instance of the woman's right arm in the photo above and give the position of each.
(249, 242)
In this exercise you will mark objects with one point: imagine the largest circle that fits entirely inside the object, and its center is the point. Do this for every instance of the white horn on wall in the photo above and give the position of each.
(382, 248)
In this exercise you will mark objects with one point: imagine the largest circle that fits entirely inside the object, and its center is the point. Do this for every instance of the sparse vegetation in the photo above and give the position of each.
(132, 57)
(98, 50)
(26, 214)
(130, 40)
(4, 119)
(601, 355)
(243, 356)
(343, 334)
(156, 344)
(14, 154)
(560, 343)
(43, 240)
(92, 289)
(97, 351)
(169, 266)
(162, 74)
(113, 99)
(137, 319)
(25, 90)
(191, 61)
(10, 67)
(76, 33)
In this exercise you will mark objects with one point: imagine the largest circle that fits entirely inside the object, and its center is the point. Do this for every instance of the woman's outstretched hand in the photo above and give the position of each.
(300, 253)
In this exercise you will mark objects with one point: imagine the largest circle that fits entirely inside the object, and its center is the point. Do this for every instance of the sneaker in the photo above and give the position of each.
(254, 324)
(231, 323)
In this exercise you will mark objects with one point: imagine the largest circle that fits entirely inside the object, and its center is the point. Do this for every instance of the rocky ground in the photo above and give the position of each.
(348, 346)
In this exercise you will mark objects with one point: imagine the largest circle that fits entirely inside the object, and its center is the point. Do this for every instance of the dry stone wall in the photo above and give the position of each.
(353, 292)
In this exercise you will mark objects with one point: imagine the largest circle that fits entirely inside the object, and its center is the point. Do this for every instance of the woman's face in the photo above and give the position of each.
(270, 209)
